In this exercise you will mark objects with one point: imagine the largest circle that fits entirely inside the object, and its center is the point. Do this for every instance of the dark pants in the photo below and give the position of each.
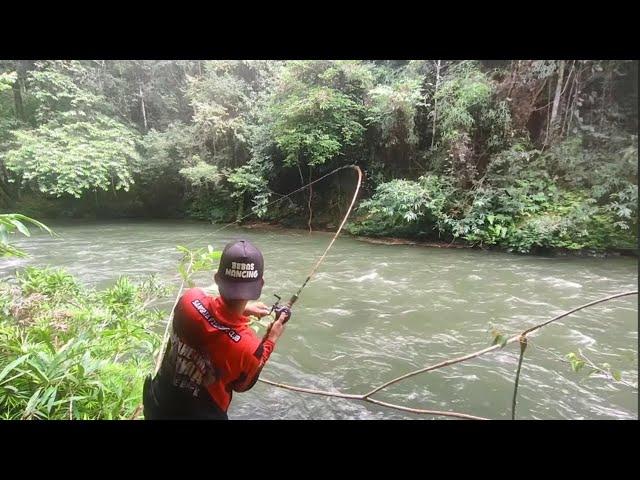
(163, 401)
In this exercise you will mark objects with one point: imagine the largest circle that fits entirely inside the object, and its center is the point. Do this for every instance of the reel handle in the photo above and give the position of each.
(279, 309)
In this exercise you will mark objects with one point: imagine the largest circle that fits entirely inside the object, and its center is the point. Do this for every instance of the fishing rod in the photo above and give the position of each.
(277, 307)
(294, 298)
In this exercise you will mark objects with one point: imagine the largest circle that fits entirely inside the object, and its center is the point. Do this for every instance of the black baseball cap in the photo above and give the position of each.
(239, 276)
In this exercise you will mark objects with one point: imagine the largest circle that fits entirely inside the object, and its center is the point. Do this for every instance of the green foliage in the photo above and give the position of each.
(54, 283)
(215, 207)
(75, 157)
(250, 178)
(528, 215)
(166, 152)
(121, 296)
(78, 355)
(499, 338)
(77, 146)
(535, 214)
(197, 260)
(222, 137)
(578, 362)
(57, 89)
(464, 95)
(404, 206)
(472, 123)
(223, 99)
(317, 125)
(9, 224)
(201, 173)
(7, 80)
(318, 110)
(393, 108)
(605, 164)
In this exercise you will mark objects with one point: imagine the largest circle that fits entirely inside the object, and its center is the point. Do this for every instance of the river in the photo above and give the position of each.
(374, 312)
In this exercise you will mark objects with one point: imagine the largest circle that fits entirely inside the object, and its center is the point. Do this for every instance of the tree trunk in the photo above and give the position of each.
(606, 82)
(564, 125)
(435, 103)
(310, 195)
(233, 149)
(558, 94)
(576, 93)
(240, 212)
(17, 98)
(5, 190)
(144, 111)
(546, 136)
(19, 87)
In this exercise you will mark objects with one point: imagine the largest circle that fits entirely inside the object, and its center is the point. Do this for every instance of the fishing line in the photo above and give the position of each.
(315, 267)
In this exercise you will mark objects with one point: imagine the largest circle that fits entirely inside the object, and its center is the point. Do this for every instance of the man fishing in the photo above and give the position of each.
(212, 352)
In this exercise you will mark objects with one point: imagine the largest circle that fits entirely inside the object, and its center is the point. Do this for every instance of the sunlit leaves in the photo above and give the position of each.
(72, 158)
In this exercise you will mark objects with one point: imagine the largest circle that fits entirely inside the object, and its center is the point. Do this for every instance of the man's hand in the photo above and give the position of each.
(257, 309)
(277, 327)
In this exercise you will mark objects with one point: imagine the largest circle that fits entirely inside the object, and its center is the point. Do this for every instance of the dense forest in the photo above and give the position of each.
(521, 155)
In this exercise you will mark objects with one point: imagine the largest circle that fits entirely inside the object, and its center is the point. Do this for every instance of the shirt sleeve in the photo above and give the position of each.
(252, 364)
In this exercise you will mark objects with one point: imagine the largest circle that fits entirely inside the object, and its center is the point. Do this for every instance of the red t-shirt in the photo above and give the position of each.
(213, 349)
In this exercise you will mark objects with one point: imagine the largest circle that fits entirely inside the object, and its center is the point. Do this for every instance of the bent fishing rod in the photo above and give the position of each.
(277, 307)
(294, 298)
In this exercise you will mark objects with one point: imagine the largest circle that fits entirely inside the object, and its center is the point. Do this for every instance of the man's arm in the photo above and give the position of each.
(255, 363)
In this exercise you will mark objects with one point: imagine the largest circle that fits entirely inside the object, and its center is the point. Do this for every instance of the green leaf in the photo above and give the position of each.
(616, 375)
(183, 271)
(40, 374)
(21, 228)
(69, 399)
(499, 339)
(4, 237)
(41, 225)
(32, 403)
(12, 365)
(182, 249)
(576, 365)
(51, 395)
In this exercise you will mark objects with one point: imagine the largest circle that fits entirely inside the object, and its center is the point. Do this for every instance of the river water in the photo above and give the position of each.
(374, 312)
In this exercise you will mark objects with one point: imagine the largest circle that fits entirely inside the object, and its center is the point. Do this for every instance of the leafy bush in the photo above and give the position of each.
(406, 207)
(67, 352)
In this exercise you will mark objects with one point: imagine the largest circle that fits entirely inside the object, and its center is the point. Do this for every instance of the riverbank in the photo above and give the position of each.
(457, 244)
(330, 228)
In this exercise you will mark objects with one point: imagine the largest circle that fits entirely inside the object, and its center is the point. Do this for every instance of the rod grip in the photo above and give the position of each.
(292, 300)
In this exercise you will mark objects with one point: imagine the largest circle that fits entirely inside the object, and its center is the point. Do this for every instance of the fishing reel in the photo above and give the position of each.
(279, 309)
